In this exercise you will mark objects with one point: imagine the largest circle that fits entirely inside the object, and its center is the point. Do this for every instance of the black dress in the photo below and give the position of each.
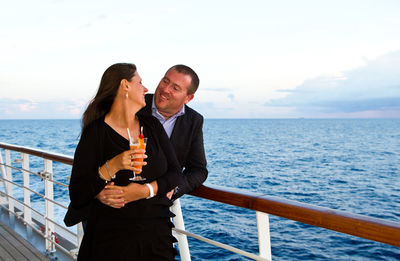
(141, 230)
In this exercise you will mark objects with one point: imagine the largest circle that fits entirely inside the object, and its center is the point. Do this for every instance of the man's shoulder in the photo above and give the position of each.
(189, 112)
(149, 101)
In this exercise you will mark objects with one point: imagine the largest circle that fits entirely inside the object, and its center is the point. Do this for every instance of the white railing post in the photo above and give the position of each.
(3, 173)
(182, 239)
(49, 215)
(79, 230)
(9, 186)
(79, 236)
(27, 194)
(264, 239)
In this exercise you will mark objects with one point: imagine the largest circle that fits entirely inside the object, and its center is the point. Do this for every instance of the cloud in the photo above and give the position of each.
(373, 87)
(216, 89)
(28, 109)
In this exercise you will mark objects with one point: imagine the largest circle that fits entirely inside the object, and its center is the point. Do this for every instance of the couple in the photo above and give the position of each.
(128, 220)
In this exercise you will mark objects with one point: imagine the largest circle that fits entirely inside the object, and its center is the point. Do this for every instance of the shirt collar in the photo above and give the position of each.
(158, 115)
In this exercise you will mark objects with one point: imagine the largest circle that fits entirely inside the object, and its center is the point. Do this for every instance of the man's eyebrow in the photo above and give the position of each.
(177, 85)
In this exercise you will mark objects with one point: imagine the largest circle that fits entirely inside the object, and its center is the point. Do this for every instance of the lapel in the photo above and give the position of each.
(179, 128)
(177, 131)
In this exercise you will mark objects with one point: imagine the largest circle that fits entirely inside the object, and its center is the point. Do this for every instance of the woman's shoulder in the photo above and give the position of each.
(94, 126)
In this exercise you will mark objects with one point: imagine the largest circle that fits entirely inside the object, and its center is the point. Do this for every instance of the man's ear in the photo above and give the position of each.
(189, 98)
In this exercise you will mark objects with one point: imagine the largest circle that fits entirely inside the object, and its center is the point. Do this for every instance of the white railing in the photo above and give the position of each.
(56, 234)
(41, 221)
(379, 230)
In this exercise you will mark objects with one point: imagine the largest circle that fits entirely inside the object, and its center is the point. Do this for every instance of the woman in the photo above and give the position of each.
(141, 230)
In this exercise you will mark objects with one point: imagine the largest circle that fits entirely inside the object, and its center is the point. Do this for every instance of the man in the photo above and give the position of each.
(183, 125)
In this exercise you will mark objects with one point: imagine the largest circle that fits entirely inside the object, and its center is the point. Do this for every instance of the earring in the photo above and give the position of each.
(126, 95)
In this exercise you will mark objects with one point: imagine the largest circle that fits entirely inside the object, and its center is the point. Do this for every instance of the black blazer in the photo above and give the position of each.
(187, 140)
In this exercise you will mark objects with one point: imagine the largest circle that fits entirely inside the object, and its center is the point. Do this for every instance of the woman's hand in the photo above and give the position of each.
(130, 193)
(126, 160)
(111, 197)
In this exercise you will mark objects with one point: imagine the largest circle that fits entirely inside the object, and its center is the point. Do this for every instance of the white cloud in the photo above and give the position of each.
(28, 109)
(371, 89)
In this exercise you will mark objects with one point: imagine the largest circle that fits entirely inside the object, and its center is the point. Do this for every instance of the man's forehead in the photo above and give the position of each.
(178, 78)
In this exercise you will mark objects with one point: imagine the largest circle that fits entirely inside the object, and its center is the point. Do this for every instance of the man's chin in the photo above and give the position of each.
(161, 105)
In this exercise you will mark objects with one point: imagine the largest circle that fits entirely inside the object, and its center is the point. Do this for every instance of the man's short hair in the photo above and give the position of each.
(194, 85)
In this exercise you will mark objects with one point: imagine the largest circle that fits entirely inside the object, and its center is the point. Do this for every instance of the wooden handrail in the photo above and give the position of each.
(39, 153)
(379, 230)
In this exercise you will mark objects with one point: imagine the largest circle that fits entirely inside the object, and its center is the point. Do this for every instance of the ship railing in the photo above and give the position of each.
(59, 237)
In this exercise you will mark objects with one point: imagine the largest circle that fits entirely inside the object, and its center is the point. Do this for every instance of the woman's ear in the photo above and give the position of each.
(124, 84)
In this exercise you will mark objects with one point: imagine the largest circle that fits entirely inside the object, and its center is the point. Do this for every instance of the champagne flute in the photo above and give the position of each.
(139, 143)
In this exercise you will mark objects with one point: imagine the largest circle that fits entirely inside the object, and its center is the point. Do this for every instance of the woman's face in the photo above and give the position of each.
(136, 90)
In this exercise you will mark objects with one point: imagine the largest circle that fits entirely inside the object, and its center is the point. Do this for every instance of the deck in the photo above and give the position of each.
(15, 247)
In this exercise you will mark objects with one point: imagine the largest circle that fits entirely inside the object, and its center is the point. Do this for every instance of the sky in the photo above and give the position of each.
(255, 59)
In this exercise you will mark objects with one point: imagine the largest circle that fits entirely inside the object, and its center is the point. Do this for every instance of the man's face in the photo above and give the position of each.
(171, 93)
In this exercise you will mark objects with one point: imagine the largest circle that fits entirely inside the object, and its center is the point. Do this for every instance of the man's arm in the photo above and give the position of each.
(195, 167)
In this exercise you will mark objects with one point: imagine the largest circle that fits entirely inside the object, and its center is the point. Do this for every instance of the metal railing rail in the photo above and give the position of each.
(379, 230)
(34, 226)
(44, 224)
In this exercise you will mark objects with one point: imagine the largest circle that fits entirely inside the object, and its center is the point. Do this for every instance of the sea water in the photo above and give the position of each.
(350, 165)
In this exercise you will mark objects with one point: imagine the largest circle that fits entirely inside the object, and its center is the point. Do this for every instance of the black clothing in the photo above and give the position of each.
(128, 239)
(131, 223)
(187, 140)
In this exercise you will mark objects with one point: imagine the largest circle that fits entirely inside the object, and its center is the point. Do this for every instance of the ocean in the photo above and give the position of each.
(351, 165)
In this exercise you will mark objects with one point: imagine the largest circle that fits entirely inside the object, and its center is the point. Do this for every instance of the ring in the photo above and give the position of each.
(131, 163)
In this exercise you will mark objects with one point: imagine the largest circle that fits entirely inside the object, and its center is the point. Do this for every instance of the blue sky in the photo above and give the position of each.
(255, 59)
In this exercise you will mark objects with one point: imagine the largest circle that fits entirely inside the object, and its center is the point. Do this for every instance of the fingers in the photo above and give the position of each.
(111, 196)
(131, 159)
(169, 194)
(133, 156)
(136, 151)
(116, 203)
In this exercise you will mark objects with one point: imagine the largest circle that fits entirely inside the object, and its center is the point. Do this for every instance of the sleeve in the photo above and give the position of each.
(173, 177)
(85, 182)
(195, 172)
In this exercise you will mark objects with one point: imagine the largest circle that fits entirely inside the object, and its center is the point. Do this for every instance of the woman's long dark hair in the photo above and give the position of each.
(100, 105)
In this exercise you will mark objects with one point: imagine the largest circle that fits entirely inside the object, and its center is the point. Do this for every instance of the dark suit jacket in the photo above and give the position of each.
(187, 140)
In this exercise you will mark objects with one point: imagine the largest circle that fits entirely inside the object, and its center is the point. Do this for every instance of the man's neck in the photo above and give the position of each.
(165, 115)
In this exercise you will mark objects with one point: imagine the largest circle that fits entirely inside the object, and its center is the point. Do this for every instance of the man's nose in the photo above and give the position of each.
(166, 88)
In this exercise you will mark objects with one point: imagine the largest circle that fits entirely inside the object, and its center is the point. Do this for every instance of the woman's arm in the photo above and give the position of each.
(85, 182)
(118, 196)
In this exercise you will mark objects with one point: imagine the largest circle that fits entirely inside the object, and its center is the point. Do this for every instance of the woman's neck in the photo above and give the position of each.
(122, 115)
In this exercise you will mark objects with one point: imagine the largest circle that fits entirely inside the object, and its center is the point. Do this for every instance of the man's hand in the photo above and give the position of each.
(111, 196)
(170, 194)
